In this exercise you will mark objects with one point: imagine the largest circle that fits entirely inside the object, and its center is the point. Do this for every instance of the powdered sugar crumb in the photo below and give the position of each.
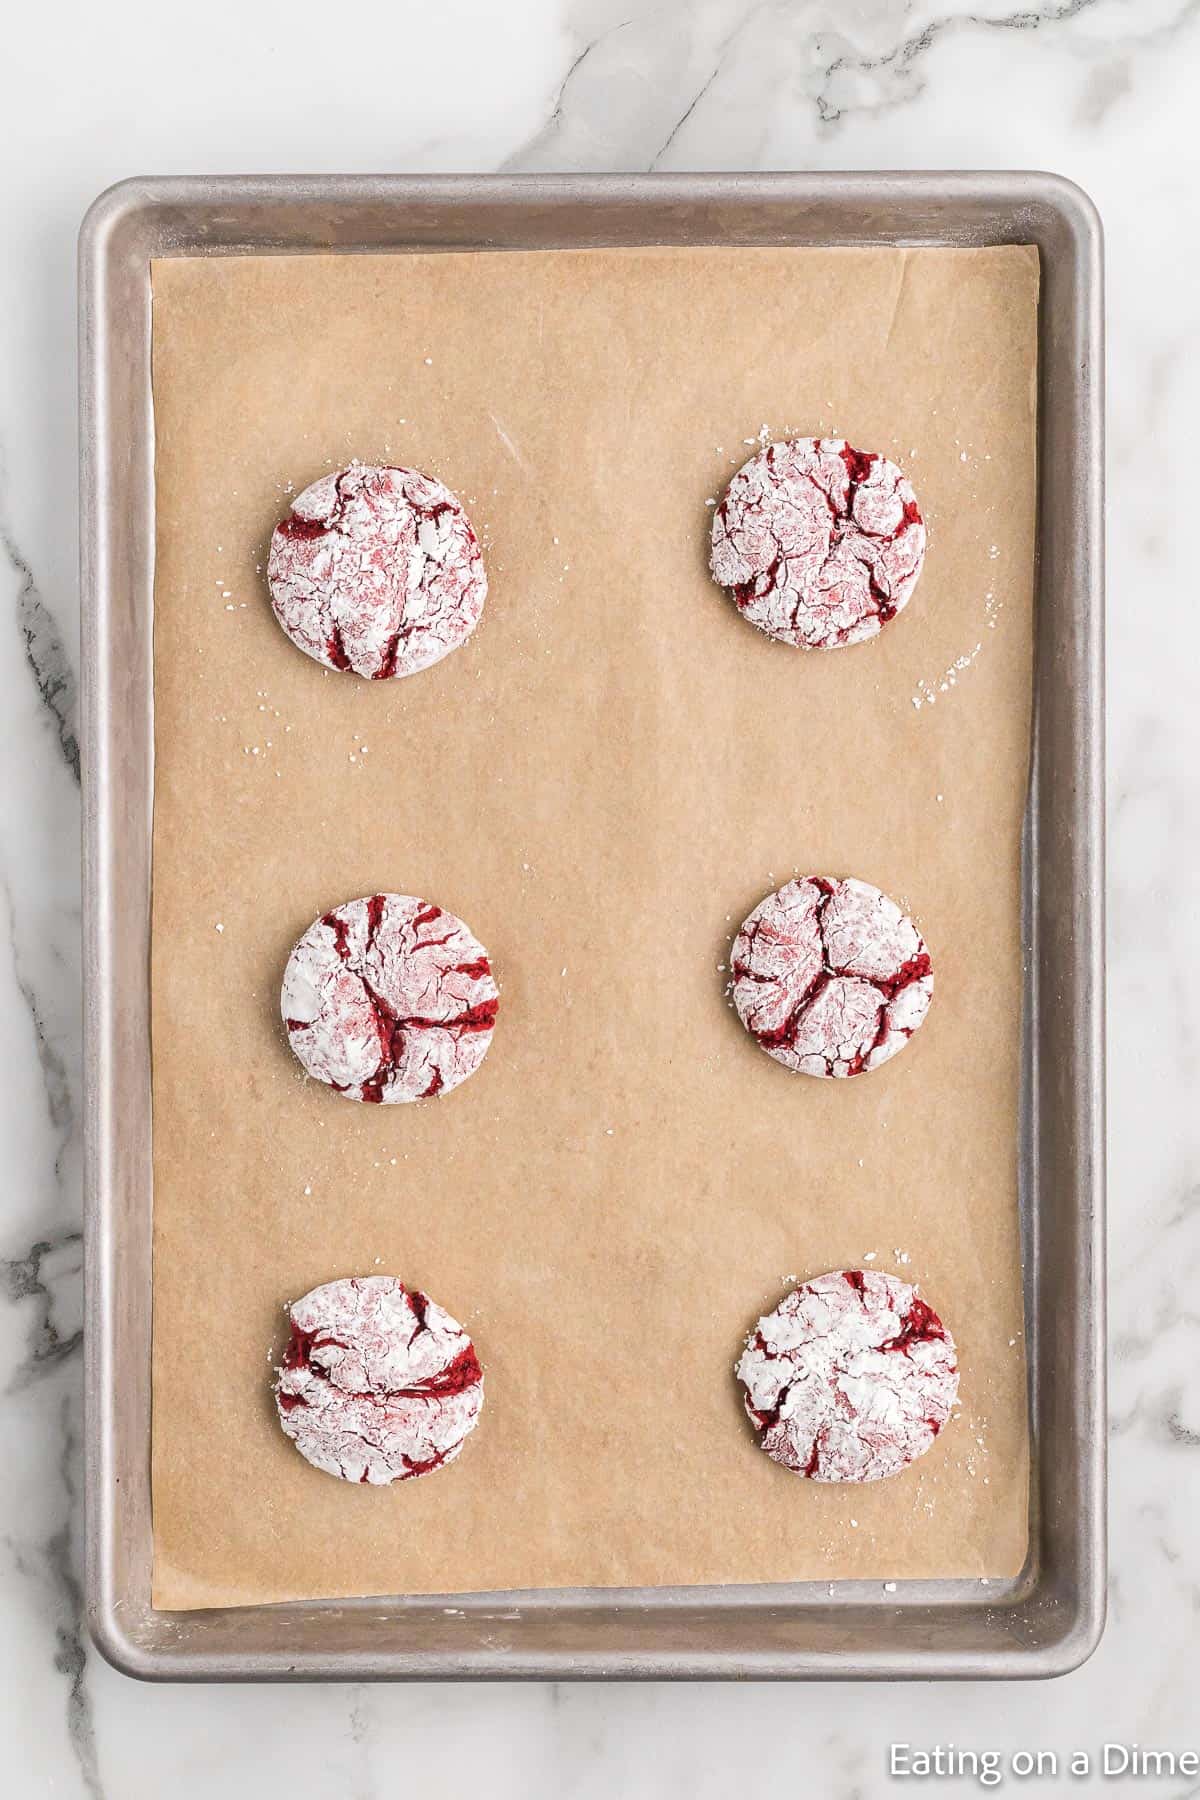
(927, 691)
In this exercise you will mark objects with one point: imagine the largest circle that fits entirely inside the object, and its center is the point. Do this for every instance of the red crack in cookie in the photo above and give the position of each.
(376, 570)
(819, 544)
(850, 1378)
(377, 1383)
(830, 977)
(389, 999)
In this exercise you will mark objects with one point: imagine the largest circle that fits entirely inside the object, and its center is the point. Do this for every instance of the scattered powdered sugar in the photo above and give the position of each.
(389, 999)
(928, 691)
(830, 977)
(819, 544)
(850, 1378)
(377, 1384)
(377, 570)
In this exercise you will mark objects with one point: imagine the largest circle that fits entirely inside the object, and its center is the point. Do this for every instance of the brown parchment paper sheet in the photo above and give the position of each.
(602, 783)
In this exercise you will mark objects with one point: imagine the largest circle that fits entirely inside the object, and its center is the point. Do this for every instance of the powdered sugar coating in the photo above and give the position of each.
(389, 998)
(830, 977)
(377, 1383)
(376, 570)
(819, 544)
(850, 1378)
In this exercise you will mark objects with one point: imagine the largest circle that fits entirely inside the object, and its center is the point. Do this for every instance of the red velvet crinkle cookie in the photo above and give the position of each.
(377, 570)
(850, 1378)
(830, 977)
(819, 544)
(377, 1383)
(389, 998)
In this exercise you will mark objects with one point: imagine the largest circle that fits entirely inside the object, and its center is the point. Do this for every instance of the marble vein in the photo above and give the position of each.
(53, 1068)
(902, 59)
(1181, 1433)
(547, 132)
(71, 1653)
(32, 1277)
(45, 653)
(50, 1564)
(723, 49)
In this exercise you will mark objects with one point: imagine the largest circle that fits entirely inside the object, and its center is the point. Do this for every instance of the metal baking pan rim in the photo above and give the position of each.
(1051, 1618)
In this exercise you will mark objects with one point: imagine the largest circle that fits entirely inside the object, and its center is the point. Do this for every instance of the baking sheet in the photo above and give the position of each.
(602, 782)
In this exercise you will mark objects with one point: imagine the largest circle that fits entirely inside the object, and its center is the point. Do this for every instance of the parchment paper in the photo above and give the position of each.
(605, 780)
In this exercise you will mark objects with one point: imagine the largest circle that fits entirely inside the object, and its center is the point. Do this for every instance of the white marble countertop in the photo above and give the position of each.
(1103, 91)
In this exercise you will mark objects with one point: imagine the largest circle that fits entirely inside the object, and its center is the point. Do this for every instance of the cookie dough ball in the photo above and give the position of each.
(819, 544)
(830, 977)
(377, 1383)
(376, 570)
(389, 998)
(850, 1378)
